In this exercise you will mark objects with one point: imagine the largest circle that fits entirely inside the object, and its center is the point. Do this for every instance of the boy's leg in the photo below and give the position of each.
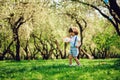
(75, 54)
(77, 61)
(70, 59)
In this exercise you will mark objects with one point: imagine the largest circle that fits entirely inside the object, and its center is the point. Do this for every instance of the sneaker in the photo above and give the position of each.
(79, 65)
(70, 65)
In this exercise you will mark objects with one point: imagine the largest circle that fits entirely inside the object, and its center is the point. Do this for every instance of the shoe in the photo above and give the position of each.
(70, 65)
(79, 65)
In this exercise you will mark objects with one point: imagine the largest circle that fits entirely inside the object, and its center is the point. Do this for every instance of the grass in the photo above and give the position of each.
(100, 69)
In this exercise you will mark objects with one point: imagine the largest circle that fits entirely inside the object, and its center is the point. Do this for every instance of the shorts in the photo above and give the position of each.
(74, 51)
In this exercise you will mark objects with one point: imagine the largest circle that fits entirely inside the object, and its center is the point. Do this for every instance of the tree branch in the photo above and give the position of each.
(104, 15)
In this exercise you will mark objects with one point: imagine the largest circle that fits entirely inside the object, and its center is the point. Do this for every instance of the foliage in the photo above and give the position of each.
(110, 42)
(49, 20)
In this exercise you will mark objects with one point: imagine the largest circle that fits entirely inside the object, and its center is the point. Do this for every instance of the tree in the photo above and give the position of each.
(15, 21)
(72, 11)
(114, 11)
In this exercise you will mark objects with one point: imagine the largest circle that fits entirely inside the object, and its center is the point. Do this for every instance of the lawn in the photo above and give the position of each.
(100, 69)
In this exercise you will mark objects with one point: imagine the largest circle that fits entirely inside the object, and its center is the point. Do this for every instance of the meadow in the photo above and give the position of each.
(96, 69)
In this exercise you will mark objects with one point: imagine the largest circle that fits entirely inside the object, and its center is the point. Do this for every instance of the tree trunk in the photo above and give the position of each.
(87, 54)
(26, 49)
(115, 7)
(5, 51)
(65, 47)
(17, 47)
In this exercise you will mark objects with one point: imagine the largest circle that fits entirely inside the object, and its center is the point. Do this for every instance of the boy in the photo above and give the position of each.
(74, 45)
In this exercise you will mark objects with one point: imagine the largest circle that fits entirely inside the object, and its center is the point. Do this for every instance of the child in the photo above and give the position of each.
(74, 45)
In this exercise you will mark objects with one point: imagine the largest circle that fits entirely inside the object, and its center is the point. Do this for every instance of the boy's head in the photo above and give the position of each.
(73, 31)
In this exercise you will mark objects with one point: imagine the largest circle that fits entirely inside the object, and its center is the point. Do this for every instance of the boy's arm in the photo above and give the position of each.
(78, 44)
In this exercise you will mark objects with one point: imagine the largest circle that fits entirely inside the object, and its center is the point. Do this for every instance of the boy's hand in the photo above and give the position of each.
(66, 39)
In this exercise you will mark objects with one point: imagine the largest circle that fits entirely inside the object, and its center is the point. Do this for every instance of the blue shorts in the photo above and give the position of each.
(74, 51)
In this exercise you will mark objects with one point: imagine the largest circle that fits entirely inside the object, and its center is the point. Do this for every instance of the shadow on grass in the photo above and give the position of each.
(53, 69)
(117, 64)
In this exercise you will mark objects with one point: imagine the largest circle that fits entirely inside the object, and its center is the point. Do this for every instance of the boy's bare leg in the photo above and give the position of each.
(77, 61)
(70, 59)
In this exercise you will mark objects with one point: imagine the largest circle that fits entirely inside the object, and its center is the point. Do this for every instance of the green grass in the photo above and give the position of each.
(106, 69)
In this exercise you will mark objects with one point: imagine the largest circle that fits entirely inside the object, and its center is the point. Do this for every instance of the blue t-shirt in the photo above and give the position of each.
(72, 41)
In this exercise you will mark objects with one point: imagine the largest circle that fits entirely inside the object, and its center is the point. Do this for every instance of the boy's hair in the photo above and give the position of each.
(70, 30)
(74, 29)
